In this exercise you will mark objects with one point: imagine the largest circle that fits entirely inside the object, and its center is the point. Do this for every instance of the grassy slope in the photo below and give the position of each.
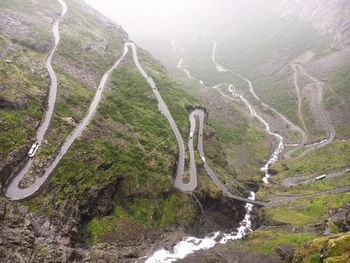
(244, 144)
(221, 140)
(18, 124)
(265, 241)
(302, 215)
(135, 138)
(17, 79)
(265, 57)
(153, 208)
(295, 223)
(337, 98)
(325, 249)
(264, 53)
(128, 144)
(309, 211)
(329, 159)
(228, 122)
(130, 134)
(74, 96)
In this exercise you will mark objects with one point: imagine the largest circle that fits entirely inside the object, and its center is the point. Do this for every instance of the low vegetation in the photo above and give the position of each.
(330, 158)
(266, 241)
(21, 95)
(325, 249)
(306, 211)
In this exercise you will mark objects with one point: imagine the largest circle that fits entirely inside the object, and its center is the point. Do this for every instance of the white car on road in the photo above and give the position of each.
(33, 150)
(321, 177)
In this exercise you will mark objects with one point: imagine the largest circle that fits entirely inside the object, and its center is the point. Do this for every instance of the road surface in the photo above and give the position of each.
(296, 180)
(200, 114)
(293, 126)
(300, 115)
(280, 199)
(300, 101)
(324, 115)
(179, 183)
(50, 107)
(13, 191)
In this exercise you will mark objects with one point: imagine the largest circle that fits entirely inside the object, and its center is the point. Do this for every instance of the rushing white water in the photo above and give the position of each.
(218, 67)
(187, 72)
(292, 125)
(191, 244)
(179, 65)
(267, 128)
(279, 149)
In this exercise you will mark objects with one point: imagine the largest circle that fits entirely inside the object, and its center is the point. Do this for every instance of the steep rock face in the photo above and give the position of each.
(330, 17)
(341, 217)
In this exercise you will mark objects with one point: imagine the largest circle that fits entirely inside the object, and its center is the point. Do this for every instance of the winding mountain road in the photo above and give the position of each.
(297, 180)
(279, 199)
(192, 183)
(277, 151)
(273, 157)
(300, 115)
(318, 85)
(13, 191)
(9, 191)
(300, 101)
(200, 114)
(292, 125)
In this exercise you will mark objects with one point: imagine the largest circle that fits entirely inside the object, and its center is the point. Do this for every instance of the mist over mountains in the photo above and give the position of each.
(166, 131)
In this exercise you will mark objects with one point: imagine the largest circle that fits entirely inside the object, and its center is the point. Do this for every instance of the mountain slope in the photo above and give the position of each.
(312, 33)
(112, 196)
(312, 38)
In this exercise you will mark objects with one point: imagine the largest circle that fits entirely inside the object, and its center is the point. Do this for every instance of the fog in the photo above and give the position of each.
(165, 19)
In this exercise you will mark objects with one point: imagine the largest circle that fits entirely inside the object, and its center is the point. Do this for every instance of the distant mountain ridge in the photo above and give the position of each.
(330, 17)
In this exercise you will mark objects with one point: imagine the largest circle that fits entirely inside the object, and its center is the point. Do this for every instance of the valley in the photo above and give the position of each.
(212, 146)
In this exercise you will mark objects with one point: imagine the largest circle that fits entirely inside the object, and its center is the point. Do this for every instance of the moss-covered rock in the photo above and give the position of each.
(334, 248)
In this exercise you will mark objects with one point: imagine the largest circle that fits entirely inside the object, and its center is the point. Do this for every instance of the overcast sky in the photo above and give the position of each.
(167, 18)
